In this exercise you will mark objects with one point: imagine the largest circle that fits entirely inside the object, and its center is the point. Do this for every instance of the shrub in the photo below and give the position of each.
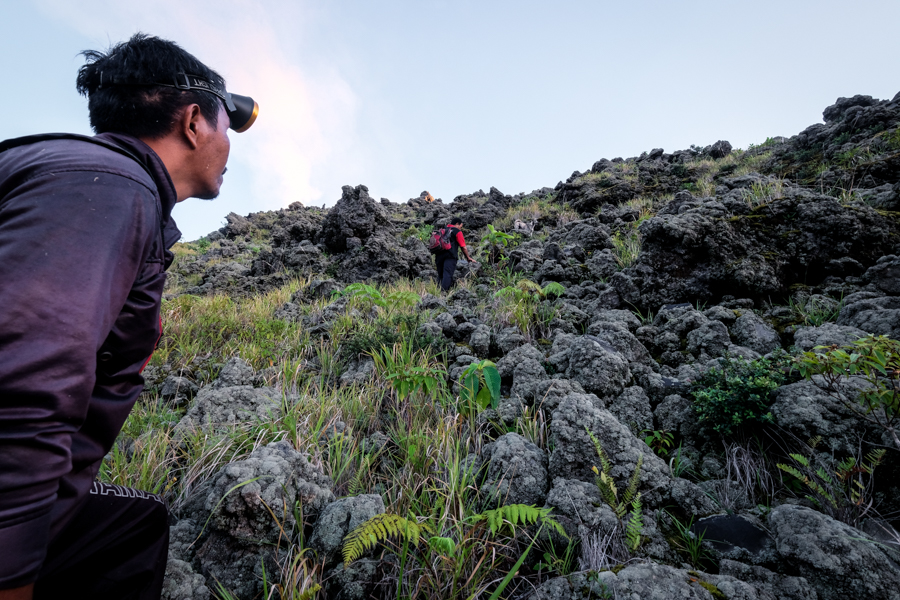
(737, 392)
(523, 305)
(874, 360)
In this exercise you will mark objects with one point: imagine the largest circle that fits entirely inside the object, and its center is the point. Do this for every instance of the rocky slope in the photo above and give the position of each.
(670, 262)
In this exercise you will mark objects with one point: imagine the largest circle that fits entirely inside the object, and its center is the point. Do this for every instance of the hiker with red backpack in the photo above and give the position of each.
(446, 243)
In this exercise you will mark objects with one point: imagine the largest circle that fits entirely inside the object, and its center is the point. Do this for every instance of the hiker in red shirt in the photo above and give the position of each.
(446, 261)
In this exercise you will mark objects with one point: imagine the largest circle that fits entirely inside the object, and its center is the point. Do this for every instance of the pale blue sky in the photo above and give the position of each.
(451, 97)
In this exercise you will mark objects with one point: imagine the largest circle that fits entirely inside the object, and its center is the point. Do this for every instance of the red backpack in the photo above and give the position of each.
(440, 240)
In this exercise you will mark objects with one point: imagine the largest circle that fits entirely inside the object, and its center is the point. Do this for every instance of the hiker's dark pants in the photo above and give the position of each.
(114, 548)
(446, 265)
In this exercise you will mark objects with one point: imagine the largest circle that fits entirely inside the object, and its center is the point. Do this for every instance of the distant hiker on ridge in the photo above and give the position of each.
(446, 243)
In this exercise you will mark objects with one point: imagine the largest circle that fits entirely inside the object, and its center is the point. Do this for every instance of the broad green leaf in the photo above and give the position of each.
(484, 398)
(492, 381)
(472, 383)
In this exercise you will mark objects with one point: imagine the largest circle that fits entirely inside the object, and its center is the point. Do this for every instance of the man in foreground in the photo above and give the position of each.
(445, 261)
(85, 232)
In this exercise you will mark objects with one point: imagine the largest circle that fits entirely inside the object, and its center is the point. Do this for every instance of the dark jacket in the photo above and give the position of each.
(457, 241)
(84, 238)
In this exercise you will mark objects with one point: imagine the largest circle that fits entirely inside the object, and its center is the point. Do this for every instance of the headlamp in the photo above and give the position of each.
(242, 110)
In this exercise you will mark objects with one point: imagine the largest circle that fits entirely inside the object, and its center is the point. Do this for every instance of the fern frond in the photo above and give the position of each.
(526, 285)
(609, 493)
(635, 524)
(310, 593)
(605, 465)
(443, 545)
(633, 481)
(513, 514)
(553, 289)
(378, 529)
(790, 470)
(824, 476)
(800, 459)
(874, 458)
(814, 441)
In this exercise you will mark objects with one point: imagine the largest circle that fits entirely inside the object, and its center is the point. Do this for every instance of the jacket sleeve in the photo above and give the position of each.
(71, 247)
(460, 239)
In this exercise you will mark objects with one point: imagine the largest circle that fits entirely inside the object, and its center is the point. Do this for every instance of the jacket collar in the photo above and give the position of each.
(164, 185)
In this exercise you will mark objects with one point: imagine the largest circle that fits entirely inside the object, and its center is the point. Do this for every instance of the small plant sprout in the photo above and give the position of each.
(493, 243)
(690, 543)
(660, 441)
(481, 384)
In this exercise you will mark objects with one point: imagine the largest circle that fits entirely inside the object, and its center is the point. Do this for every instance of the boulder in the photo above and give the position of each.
(182, 583)
(737, 537)
(221, 408)
(527, 376)
(807, 338)
(578, 504)
(574, 454)
(516, 472)
(807, 411)
(632, 408)
(885, 275)
(270, 481)
(354, 215)
(480, 340)
(836, 559)
(708, 341)
(617, 334)
(879, 316)
(235, 372)
(642, 581)
(597, 366)
(352, 582)
(751, 331)
(676, 415)
(381, 258)
(507, 364)
(177, 391)
(724, 246)
(768, 585)
(338, 519)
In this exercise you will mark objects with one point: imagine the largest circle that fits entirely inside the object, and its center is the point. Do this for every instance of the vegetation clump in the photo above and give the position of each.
(736, 392)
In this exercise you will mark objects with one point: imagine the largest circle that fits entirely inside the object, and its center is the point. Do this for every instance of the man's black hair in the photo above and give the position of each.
(119, 99)
(456, 221)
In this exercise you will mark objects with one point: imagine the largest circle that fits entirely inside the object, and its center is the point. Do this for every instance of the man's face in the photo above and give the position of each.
(212, 156)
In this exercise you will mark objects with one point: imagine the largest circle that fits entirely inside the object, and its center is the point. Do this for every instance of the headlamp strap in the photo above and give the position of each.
(183, 81)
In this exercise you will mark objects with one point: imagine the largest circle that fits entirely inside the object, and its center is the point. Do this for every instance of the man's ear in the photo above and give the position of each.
(189, 125)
